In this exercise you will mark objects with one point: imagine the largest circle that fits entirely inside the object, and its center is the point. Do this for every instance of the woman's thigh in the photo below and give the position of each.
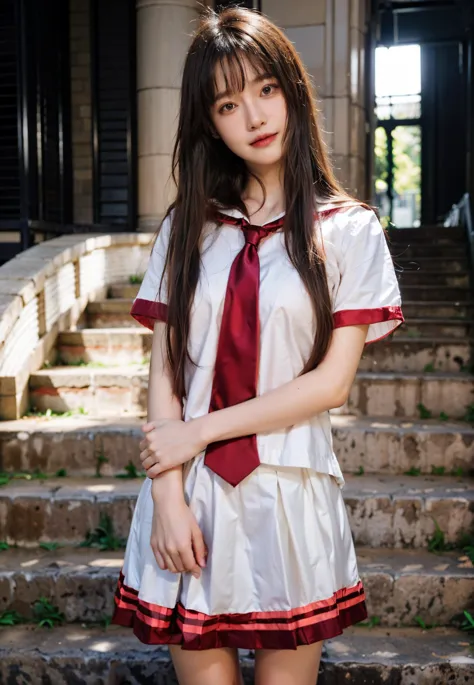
(206, 667)
(288, 666)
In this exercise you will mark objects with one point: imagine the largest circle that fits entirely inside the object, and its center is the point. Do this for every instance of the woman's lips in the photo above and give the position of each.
(263, 142)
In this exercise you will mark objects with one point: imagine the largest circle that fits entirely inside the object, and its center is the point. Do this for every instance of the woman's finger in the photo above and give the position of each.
(159, 559)
(199, 547)
(175, 561)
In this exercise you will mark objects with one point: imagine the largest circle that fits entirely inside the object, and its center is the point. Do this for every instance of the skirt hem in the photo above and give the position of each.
(154, 625)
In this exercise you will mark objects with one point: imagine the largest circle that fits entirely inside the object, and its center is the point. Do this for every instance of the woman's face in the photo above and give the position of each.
(259, 112)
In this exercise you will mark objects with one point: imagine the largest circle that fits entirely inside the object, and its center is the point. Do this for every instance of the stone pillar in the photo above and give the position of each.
(330, 38)
(164, 29)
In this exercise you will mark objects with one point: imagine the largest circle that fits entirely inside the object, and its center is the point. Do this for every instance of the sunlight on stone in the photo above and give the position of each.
(386, 655)
(339, 647)
(31, 562)
(107, 563)
(102, 646)
(100, 488)
(461, 659)
(77, 637)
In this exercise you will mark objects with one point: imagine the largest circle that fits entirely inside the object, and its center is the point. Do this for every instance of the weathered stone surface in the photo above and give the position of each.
(99, 391)
(391, 445)
(107, 346)
(403, 353)
(436, 327)
(440, 308)
(63, 510)
(111, 314)
(124, 291)
(73, 443)
(80, 656)
(376, 445)
(399, 584)
(399, 394)
(433, 277)
(435, 292)
(400, 511)
(385, 511)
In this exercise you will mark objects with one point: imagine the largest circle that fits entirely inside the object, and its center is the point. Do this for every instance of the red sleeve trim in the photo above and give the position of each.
(356, 317)
(147, 312)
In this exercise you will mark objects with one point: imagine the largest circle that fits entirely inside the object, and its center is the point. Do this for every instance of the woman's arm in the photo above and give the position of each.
(324, 388)
(176, 539)
(162, 403)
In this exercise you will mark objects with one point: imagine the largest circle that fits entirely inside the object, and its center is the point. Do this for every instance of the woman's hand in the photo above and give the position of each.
(176, 539)
(169, 443)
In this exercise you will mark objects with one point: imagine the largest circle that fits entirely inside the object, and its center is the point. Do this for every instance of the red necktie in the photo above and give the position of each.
(236, 368)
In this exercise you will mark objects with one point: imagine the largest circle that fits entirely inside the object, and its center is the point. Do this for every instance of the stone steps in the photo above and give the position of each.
(125, 291)
(101, 392)
(427, 292)
(105, 345)
(405, 353)
(111, 313)
(440, 308)
(417, 250)
(113, 656)
(432, 264)
(431, 326)
(412, 342)
(384, 511)
(434, 235)
(386, 394)
(81, 583)
(122, 390)
(80, 444)
(392, 446)
(451, 279)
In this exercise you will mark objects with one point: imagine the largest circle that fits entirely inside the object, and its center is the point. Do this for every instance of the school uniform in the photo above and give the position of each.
(281, 569)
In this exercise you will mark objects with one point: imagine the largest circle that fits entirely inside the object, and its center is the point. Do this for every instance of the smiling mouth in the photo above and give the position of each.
(264, 141)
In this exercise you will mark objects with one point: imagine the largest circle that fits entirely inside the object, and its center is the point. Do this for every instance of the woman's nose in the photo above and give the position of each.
(255, 117)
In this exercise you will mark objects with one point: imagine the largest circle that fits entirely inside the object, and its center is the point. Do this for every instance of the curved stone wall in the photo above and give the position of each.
(44, 291)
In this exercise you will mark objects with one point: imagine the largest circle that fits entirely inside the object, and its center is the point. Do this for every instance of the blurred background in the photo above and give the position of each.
(89, 93)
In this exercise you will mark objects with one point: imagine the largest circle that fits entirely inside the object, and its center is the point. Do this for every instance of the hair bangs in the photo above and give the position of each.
(231, 56)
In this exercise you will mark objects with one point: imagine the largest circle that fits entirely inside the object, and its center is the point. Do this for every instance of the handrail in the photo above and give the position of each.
(462, 214)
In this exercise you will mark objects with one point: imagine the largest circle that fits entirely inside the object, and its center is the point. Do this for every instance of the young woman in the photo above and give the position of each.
(264, 284)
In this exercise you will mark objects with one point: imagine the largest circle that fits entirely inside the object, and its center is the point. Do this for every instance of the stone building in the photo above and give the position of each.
(90, 92)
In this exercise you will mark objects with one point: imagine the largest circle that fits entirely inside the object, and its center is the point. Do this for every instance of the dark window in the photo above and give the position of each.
(114, 106)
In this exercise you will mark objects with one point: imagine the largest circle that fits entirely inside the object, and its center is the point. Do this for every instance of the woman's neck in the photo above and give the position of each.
(253, 197)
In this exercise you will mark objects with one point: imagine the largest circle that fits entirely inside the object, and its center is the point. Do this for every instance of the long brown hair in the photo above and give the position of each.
(205, 170)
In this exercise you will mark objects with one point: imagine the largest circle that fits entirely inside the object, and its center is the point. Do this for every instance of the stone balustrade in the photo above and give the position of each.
(45, 290)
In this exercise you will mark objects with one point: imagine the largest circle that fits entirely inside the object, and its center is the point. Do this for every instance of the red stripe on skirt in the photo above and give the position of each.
(321, 620)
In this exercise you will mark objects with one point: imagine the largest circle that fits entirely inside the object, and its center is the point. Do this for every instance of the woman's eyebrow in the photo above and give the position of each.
(257, 79)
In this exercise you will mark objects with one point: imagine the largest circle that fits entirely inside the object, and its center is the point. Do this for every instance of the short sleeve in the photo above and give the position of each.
(151, 302)
(368, 291)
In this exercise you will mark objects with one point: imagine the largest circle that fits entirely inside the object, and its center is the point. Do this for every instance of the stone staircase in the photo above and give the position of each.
(405, 440)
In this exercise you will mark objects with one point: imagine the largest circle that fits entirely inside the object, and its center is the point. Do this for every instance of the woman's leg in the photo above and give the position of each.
(207, 666)
(288, 666)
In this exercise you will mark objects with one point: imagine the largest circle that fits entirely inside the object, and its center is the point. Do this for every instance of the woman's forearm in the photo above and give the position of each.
(162, 403)
(324, 388)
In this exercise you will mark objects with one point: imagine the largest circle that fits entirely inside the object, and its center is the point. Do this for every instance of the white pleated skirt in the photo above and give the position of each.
(281, 568)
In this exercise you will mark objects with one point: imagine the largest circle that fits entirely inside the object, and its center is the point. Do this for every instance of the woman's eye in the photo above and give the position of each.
(269, 88)
(224, 107)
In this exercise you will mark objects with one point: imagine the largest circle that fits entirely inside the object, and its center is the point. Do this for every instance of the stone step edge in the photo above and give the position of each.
(127, 371)
(67, 559)
(129, 423)
(361, 655)
(107, 488)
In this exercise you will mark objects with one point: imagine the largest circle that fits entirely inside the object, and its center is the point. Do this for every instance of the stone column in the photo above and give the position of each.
(164, 29)
(330, 38)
